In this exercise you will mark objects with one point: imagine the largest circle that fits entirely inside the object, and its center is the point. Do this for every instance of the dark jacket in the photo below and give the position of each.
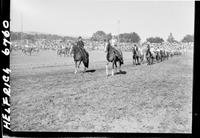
(80, 44)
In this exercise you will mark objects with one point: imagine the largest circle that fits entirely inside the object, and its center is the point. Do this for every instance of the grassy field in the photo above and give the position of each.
(47, 96)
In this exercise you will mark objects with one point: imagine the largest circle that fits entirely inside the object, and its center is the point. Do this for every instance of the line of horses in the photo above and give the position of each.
(151, 55)
(63, 51)
(115, 57)
(30, 50)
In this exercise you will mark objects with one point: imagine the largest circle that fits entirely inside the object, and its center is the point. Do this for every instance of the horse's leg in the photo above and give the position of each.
(142, 59)
(115, 66)
(120, 66)
(79, 64)
(147, 60)
(75, 67)
(151, 59)
(84, 68)
(133, 60)
(107, 68)
(113, 63)
(138, 60)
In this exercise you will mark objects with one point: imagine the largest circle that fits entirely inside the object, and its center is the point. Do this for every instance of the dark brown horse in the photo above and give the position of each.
(79, 55)
(136, 55)
(113, 56)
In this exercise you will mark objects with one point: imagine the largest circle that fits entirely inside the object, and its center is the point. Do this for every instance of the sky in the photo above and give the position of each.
(85, 17)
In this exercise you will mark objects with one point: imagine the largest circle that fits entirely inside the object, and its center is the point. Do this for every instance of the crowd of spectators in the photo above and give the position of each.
(96, 45)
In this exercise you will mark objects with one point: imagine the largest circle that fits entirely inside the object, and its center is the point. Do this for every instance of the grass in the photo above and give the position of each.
(156, 98)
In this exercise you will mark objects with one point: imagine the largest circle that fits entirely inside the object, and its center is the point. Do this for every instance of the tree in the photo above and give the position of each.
(29, 37)
(109, 36)
(155, 40)
(99, 36)
(171, 39)
(188, 38)
(15, 36)
(129, 37)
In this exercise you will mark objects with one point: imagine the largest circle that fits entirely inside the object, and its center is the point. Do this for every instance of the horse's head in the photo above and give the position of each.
(72, 45)
(134, 49)
(106, 48)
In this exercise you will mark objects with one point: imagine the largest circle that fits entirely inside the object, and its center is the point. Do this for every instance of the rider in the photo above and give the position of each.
(80, 44)
(113, 43)
(135, 47)
(148, 48)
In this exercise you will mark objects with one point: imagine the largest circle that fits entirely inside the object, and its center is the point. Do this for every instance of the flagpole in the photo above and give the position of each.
(118, 28)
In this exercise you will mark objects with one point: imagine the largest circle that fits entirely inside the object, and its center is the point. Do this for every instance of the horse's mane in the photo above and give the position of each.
(74, 46)
(110, 48)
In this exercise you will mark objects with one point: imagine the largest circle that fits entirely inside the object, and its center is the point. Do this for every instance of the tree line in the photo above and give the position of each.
(135, 38)
(132, 37)
(35, 36)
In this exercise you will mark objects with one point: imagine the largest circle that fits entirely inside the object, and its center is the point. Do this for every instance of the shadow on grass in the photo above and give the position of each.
(91, 70)
(121, 72)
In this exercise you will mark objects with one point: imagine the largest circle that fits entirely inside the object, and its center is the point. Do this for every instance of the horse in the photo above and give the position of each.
(36, 50)
(27, 50)
(113, 56)
(79, 55)
(162, 53)
(67, 49)
(150, 56)
(158, 55)
(64, 51)
(61, 51)
(136, 56)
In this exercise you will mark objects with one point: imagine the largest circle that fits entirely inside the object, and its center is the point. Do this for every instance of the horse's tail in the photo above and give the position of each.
(85, 55)
(86, 61)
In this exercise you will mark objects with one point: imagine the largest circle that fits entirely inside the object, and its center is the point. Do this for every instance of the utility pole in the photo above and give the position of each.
(118, 28)
(21, 27)
(118, 22)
